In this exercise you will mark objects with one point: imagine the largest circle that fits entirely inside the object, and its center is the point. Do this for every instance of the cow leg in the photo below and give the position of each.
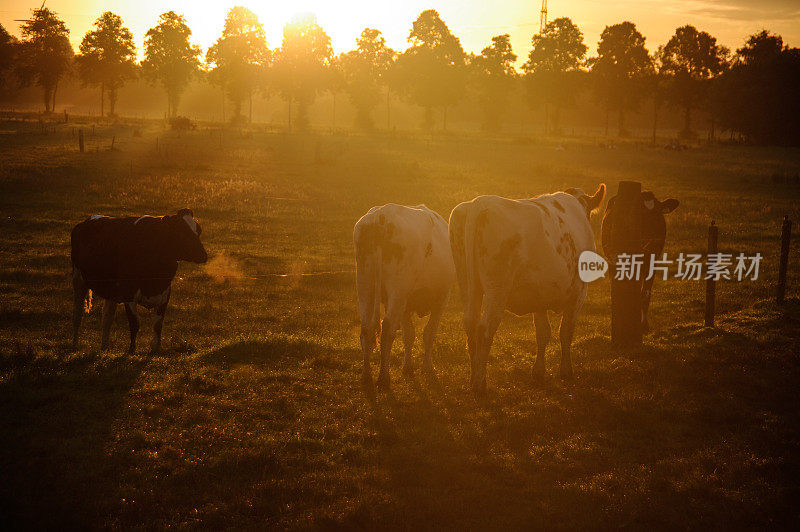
(647, 292)
(565, 332)
(484, 336)
(391, 322)
(408, 343)
(542, 338)
(429, 334)
(157, 326)
(79, 292)
(472, 313)
(133, 324)
(109, 308)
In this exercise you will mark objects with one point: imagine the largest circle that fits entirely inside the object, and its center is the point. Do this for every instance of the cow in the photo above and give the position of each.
(403, 260)
(130, 260)
(521, 256)
(653, 231)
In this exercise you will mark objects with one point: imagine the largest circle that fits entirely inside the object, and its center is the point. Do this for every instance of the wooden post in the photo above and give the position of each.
(80, 139)
(113, 139)
(711, 284)
(786, 235)
(626, 294)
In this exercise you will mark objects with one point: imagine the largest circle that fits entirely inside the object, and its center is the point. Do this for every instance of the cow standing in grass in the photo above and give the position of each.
(130, 261)
(653, 233)
(403, 260)
(521, 256)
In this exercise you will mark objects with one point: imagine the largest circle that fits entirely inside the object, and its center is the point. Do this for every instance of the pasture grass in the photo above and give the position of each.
(253, 415)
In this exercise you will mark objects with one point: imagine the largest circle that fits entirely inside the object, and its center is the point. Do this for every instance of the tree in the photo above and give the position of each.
(8, 50)
(494, 77)
(757, 96)
(554, 65)
(432, 71)
(45, 54)
(302, 64)
(107, 57)
(169, 57)
(239, 57)
(364, 70)
(691, 58)
(620, 69)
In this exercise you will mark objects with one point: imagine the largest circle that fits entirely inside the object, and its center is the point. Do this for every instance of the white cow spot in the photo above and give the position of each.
(191, 223)
(649, 204)
(97, 216)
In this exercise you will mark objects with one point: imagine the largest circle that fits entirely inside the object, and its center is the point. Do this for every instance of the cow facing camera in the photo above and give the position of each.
(591, 266)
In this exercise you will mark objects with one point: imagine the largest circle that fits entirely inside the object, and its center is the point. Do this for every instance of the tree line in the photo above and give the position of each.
(751, 92)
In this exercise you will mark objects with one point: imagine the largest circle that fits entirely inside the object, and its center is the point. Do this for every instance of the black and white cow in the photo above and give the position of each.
(131, 261)
(653, 232)
(521, 256)
(403, 260)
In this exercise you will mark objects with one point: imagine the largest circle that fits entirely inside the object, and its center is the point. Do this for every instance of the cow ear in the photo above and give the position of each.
(669, 205)
(594, 201)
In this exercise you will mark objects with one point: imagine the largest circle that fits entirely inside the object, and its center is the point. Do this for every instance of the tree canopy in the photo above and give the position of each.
(170, 58)
(364, 70)
(45, 54)
(432, 71)
(302, 65)
(239, 56)
(494, 76)
(621, 69)
(107, 56)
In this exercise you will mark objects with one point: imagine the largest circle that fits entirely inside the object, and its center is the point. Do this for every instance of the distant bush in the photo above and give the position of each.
(181, 123)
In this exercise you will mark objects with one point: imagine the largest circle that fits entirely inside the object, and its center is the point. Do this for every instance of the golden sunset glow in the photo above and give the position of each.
(472, 21)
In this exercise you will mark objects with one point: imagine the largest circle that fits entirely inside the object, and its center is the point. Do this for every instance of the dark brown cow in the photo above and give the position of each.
(654, 233)
(131, 261)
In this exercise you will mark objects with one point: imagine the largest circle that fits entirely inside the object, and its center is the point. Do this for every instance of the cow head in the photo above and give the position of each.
(590, 203)
(654, 233)
(184, 237)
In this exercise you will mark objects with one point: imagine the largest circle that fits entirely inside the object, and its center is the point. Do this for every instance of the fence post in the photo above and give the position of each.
(80, 139)
(626, 294)
(786, 235)
(711, 284)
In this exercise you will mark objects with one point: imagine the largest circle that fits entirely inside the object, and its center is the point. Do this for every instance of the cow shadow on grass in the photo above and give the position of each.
(279, 351)
(57, 418)
(639, 437)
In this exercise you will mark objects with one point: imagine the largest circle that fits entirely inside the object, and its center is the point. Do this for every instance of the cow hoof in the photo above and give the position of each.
(567, 375)
(538, 370)
(131, 351)
(408, 369)
(428, 369)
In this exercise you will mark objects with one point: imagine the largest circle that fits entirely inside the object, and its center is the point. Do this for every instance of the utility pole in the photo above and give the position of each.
(543, 16)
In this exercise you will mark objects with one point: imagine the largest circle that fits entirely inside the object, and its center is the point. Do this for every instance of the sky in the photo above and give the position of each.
(473, 21)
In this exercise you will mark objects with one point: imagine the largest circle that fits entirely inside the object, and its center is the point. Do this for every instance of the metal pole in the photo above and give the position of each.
(786, 235)
(711, 284)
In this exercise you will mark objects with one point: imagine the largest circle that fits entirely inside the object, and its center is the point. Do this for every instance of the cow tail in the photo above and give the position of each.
(377, 258)
(470, 267)
(87, 302)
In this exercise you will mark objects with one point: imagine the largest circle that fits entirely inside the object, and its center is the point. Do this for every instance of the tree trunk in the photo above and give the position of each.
(687, 119)
(55, 90)
(546, 118)
(112, 102)
(102, 98)
(47, 99)
(655, 119)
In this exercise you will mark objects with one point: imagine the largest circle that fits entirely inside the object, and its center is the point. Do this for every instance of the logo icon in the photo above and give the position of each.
(591, 266)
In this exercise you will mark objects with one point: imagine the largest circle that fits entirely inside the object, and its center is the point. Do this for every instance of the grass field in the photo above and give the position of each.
(253, 416)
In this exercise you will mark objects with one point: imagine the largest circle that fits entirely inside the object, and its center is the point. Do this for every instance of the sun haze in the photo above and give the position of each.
(472, 21)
